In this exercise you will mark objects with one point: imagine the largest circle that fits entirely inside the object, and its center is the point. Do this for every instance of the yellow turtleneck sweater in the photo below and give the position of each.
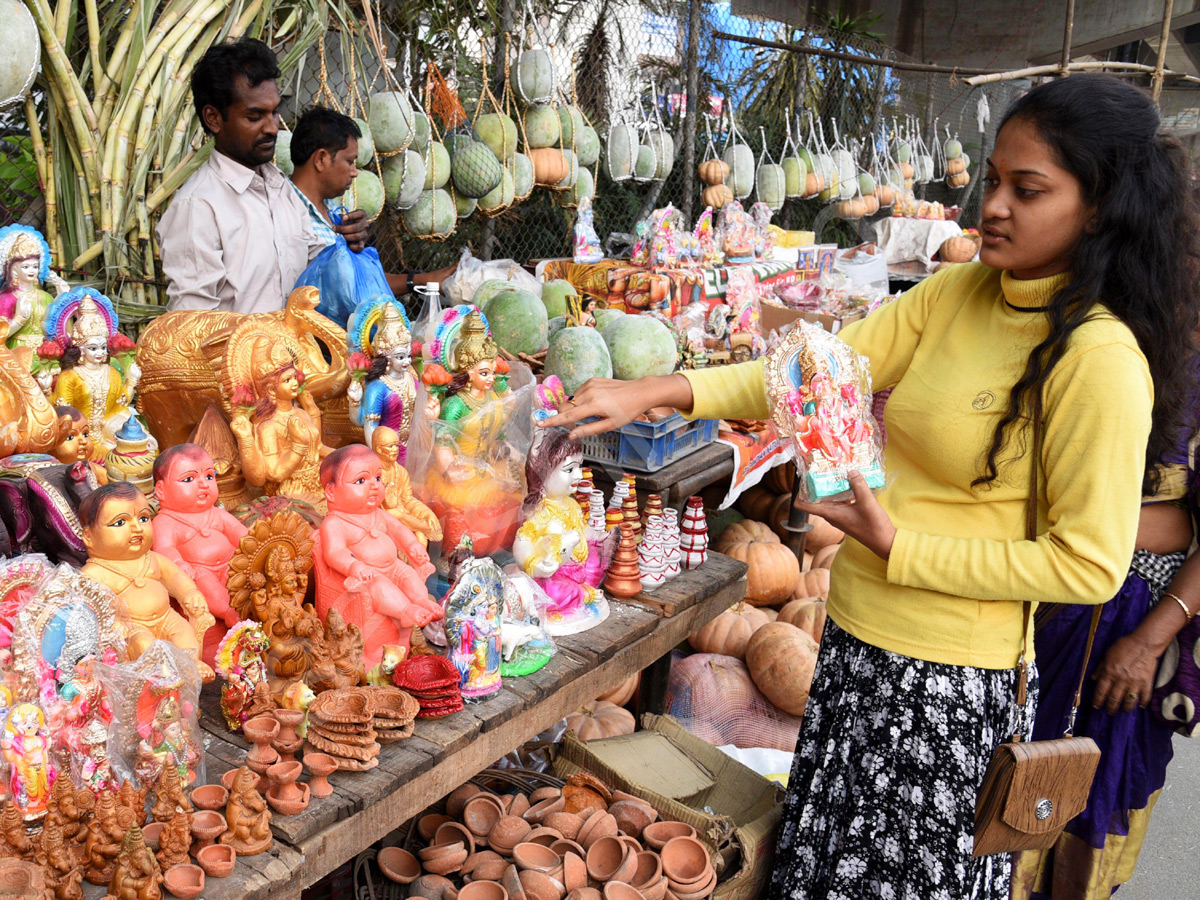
(960, 567)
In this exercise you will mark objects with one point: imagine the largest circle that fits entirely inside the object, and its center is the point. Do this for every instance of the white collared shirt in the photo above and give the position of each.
(235, 239)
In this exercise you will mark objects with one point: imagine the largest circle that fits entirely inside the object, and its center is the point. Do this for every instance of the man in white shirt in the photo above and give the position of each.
(237, 236)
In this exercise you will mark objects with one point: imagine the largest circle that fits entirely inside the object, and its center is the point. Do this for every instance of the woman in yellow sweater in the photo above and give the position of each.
(1082, 302)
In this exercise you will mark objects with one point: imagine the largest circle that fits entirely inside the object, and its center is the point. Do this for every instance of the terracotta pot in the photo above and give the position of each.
(604, 857)
(536, 857)
(210, 796)
(540, 886)
(217, 861)
(616, 890)
(544, 836)
(207, 826)
(289, 720)
(483, 890)
(320, 767)
(544, 794)
(284, 805)
(657, 834)
(480, 814)
(399, 865)
(427, 826)
(151, 834)
(563, 847)
(543, 808)
(458, 798)
(185, 881)
(684, 860)
(565, 823)
(453, 833)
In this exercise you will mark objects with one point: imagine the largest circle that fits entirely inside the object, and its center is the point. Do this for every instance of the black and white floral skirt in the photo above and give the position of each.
(881, 799)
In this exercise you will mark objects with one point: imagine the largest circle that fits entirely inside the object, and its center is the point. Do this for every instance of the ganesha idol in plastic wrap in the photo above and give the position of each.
(820, 394)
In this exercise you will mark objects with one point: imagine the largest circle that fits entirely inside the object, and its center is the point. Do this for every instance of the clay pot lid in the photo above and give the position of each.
(480, 814)
(457, 799)
(208, 824)
(319, 764)
(604, 857)
(285, 772)
(392, 703)
(347, 705)
(658, 833)
(454, 833)
(575, 873)
(260, 729)
(564, 846)
(210, 797)
(507, 833)
(617, 890)
(482, 890)
(535, 856)
(184, 881)
(427, 825)
(424, 672)
(399, 865)
(684, 859)
(540, 886)
(648, 871)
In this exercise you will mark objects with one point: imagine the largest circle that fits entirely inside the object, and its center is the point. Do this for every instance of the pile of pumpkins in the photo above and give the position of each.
(776, 629)
(958, 164)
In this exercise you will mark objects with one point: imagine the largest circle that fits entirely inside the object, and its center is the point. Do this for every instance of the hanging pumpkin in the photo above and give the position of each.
(808, 615)
(781, 659)
(600, 719)
(774, 571)
(716, 195)
(713, 171)
(623, 692)
(729, 632)
(550, 166)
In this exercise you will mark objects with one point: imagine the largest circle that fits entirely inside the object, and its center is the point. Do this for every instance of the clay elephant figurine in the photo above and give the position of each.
(39, 499)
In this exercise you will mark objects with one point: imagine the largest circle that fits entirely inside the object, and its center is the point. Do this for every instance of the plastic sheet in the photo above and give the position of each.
(344, 279)
(472, 272)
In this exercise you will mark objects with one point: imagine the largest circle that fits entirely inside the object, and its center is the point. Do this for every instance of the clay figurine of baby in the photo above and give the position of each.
(118, 535)
(356, 555)
(195, 534)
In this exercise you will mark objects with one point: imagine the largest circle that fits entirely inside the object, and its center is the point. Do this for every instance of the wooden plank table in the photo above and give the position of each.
(677, 481)
(443, 753)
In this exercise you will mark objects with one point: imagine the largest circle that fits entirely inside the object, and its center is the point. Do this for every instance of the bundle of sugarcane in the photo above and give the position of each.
(121, 134)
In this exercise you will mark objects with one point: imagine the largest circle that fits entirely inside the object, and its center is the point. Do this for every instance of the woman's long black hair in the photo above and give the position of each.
(1138, 255)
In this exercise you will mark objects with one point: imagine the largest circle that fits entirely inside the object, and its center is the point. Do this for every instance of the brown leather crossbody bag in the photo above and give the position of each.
(1032, 789)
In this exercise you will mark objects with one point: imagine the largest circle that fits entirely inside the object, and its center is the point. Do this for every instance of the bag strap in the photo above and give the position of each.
(1031, 512)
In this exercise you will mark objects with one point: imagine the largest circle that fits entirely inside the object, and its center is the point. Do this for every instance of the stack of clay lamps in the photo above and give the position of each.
(261, 731)
(395, 711)
(583, 842)
(288, 741)
(433, 681)
(287, 795)
(341, 724)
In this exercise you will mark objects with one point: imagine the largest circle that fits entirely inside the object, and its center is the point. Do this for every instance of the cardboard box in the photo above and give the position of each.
(734, 809)
(778, 317)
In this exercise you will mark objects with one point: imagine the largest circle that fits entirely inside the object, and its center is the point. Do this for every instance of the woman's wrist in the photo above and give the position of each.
(674, 391)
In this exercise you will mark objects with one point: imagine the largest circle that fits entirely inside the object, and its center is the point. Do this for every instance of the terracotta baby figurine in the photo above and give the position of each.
(118, 535)
(358, 570)
(75, 442)
(247, 815)
(195, 534)
(398, 497)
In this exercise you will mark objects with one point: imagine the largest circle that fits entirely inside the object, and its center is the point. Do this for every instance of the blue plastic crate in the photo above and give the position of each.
(648, 446)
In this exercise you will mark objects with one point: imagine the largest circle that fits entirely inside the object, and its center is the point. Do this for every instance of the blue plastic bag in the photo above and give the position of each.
(344, 278)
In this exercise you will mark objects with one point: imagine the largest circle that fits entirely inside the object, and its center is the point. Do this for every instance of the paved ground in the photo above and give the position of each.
(1169, 867)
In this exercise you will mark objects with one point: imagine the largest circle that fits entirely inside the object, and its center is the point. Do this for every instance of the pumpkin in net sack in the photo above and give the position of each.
(774, 571)
(600, 719)
(781, 659)
(729, 632)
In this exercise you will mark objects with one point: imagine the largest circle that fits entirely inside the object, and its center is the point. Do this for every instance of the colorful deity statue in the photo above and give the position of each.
(389, 394)
(118, 534)
(242, 662)
(474, 482)
(194, 533)
(398, 496)
(359, 572)
(24, 268)
(81, 330)
(276, 422)
(473, 609)
(553, 545)
(89, 710)
(166, 739)
(25, 744)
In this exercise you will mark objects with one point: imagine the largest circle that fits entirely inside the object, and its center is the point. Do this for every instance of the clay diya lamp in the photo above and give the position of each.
(444, 859)
(480, 815)
(207, 826)
(511, 882)
(433, 887)
(536, 813)
(210, 796)
(575, 873)
(632, 817)
(217, 861)
(485, 865)
(544, 793)
(454, 833)
(685, 862)
(565, 823)
(563, 847)
(399, 865)
(185, 881)
(540, 886)
(260, 731)
(631, 843)
(518, 805)
(544, 836)
(458, 798)
(286, 796)
(152, 833)
(507, 833)
(616, 890)
(227, 779)
(528, 856)
(596, 828)
(648, 872)
(657, 834)
(288, 742)
(428, 825)
(320, 766)
(586, 893)
(483, 890)
(605, 857)
(655, 891)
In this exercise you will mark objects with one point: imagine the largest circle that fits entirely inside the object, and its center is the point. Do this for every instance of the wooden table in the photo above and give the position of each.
(677, 481)
(443, 753)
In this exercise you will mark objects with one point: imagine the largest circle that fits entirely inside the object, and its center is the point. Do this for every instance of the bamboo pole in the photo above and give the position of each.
(692, 101)
(1163, 37)
(1068, 28)
(1100, 65)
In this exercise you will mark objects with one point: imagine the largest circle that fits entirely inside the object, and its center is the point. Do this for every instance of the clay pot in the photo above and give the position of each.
(655, 891)
(453, 833)
(605, 857)
(535, 857)
(320, 766)
(567, 824)
(564, 846)
(217, 861)
(544, 836)
(427, 826)
(480, 815)
(540, 886)
(207, 826)
(507, 833)
(657, 834)
(481, 865)
(544, 794)
(518, 805)
(586, 893)
(210, 796)
(458, 798)
(431, 887)
(575, 873)
(632, 817)
(616, 890)
(399, 865)
(536, 813)
(185, 881)
(684, 860)
(289, 720)
(483, 890)
(151, 834)
(260, 731)
(648, 872)
(632, 843)
(598, 827)
(227, 779)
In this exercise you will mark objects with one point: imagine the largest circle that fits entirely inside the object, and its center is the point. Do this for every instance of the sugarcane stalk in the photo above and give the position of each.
(166, 21)
(63, 14)
(181, 173)
(44, 170)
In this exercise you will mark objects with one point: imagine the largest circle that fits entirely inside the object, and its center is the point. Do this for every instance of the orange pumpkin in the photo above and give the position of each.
(771, 614)
(549, 166)
(814, 183)
(716, 195)
(958, 249)
(823, 558)
(600, 719)
(623, 692)
(822, 535)
(813, 583)
(774, 571)
(808, 615)
(781, 659)
(955, 166)
(885, 194)
(760, 504)
(781, 479)
(713, 171)
(728, 633)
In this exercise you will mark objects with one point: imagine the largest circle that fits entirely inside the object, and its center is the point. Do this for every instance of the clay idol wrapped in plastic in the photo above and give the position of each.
(820, 393)
(380, 334)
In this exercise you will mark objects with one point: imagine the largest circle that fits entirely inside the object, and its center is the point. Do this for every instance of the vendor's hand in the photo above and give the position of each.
(441, 274)
(1125, 677)
(355, 229)
(863, 518)
(615, 403)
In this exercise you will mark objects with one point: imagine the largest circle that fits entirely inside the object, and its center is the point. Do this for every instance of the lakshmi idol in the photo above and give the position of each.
(24, 268)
